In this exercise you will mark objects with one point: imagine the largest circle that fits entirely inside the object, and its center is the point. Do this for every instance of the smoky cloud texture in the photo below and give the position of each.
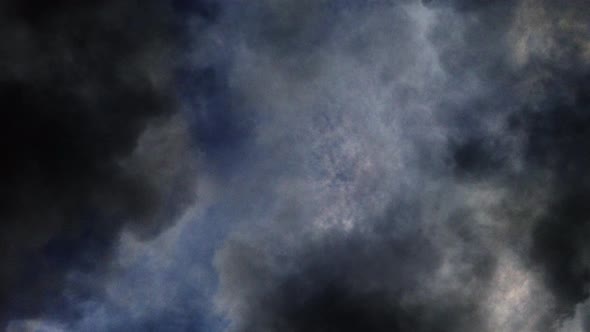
(91, 141)
(468, 118)
(379, 165)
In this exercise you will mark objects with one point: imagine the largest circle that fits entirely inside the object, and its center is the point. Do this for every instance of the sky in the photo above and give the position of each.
(295, 165)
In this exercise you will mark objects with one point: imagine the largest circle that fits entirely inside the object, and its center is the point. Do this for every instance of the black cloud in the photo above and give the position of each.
(554, 131)
(80, 83)
(557, 140)
(376, 277)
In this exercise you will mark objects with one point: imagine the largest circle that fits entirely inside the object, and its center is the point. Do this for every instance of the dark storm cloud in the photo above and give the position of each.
(384, 165)
(372, 278)
(89, 138)
(554, 130)
(557, 138)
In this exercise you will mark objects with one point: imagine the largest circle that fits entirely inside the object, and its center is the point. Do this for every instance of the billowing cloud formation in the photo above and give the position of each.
(364, 166)
(442, 177)
(91, 141)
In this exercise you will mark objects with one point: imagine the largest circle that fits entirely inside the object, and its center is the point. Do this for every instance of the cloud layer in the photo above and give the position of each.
(362, 165)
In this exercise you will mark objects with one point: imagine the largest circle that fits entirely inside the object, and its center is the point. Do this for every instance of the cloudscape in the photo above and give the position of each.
(295, 165)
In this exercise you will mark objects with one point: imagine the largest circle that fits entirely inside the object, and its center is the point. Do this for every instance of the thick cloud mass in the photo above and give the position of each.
(382, 165)
(84, 85)
(372, 279)
(556, 141)
(455, 160)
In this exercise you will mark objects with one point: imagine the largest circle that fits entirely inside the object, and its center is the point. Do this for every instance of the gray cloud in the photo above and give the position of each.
(368, 166)
(429, 185)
